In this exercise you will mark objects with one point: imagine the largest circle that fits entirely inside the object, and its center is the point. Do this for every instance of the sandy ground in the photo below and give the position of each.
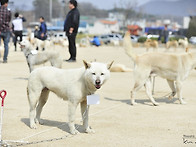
(115, 121)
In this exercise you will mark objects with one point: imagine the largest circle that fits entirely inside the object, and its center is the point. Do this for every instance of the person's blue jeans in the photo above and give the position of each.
(6, 38)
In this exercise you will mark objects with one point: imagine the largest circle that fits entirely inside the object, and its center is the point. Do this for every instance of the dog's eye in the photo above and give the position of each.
(93, 73)
(102, 74)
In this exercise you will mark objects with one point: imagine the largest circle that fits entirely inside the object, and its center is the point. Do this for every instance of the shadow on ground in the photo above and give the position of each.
(20, 78)
(61, 125)
(146, 101)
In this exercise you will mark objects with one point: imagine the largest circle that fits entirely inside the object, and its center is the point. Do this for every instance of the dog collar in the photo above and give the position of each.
(27, 56)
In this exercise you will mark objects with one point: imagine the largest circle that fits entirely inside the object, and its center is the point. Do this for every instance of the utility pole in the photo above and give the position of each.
(50, 10)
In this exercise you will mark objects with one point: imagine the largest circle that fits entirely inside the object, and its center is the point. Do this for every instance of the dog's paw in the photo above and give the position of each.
(41, 122)
(156, 104)
(133, 103)
(33, 126)
(74, 132)
(183, 102)
(89, 130)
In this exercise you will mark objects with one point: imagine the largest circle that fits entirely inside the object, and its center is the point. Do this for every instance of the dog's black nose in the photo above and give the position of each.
(97, 82)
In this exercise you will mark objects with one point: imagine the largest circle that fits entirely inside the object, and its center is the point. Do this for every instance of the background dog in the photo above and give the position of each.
(72, 85)
(174, 68)
(172, 43)
(184, 42)
(120, 68)
(36, 58)
(151, 43)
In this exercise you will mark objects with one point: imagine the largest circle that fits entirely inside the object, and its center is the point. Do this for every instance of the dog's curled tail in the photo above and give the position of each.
(128, 46)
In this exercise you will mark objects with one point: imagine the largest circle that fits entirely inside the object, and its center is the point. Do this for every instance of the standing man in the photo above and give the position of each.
(42, 33)
(71, 25)
(17, 28)
(5, 18)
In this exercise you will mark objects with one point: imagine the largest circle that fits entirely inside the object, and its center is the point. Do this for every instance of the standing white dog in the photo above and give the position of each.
(36, 58)
(73, 85)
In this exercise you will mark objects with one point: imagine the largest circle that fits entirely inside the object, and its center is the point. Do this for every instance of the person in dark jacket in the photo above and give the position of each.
(71, 25)
(42, 33)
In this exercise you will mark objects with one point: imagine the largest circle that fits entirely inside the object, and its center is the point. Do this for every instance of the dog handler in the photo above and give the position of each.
(71, 25)
(5, 18)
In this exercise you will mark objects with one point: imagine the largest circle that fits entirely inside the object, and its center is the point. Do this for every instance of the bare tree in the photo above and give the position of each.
(127, 8)
(42, 9)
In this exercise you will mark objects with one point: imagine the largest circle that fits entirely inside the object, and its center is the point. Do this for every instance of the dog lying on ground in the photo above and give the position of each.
(120, 68)
(151, 43)
(72, 85)
(174, 68)
(172, 43)
(184, 42)
(36, 58)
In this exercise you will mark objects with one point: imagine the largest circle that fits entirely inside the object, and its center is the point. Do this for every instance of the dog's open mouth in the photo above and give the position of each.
(98, 86)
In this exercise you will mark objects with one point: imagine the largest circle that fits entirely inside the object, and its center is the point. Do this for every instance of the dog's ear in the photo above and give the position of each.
(110, 64)
(86, 64)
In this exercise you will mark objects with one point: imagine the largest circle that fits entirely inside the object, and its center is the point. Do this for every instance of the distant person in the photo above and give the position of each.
(17, 28)
(96, 41)
(5, 18)
(71, 25)
(165, 34)
(42, 33)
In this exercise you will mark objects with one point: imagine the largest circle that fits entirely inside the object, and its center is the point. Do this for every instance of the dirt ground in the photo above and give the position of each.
(115, 121)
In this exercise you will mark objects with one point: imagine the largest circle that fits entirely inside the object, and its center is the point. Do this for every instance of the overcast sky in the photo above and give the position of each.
(102, 4)
(109, 4)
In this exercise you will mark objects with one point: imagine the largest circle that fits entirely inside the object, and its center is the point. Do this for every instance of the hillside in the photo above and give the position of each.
(174, 8)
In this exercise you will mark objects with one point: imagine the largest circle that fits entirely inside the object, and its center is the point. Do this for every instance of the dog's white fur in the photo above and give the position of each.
(72, 85)
(42, 44)
(184, 42)
(173, 67)
(41, 57)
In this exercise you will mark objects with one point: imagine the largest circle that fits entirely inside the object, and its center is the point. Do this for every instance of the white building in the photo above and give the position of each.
(186, 21)
(104, 27)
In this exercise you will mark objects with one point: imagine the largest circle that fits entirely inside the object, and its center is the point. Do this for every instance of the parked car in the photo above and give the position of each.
(104, 38)
(192, 40)
(60, 35)
(110, 37)
(115, 37)
(134, 38)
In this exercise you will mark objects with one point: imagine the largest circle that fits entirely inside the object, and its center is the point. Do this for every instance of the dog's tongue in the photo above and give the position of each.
(98, 86)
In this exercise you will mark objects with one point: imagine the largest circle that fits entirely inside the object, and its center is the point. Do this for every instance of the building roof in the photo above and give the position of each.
(108, 22)
(134, 27)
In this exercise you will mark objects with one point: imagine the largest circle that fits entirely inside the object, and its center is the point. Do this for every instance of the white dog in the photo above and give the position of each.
(36, 58)
(173, 67)
(73, 85)
(184, 42)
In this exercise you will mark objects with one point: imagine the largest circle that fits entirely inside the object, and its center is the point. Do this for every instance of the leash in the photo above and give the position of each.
(3, 94)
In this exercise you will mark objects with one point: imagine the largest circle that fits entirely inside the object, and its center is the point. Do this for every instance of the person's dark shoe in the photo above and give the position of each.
(5, 61)
(71, 60)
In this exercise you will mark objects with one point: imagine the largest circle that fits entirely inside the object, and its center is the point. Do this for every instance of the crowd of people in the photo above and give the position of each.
(15, 30)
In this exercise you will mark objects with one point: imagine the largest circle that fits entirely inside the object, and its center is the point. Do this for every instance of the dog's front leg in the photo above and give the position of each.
(179, 91)
(85, 112)
(71, 115)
